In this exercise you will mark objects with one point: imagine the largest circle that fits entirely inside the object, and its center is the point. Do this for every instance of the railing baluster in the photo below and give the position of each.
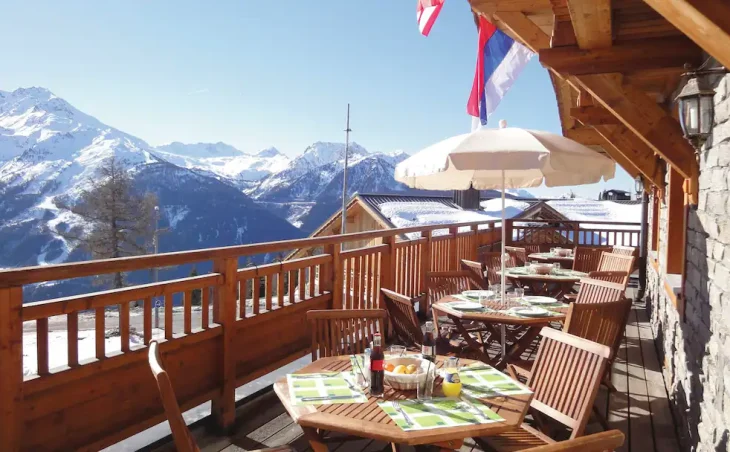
(348, 284)
(302, 275)
(168, 316)
(269, 290)
(256, 294)
(356, 284)
(100, 331)
(146, 320)
(41, 326)
(312, 279)
(188, 311)
(280, 289)
(124, 326)
(72, 331)
(242, 298)
(205, 307)
(291, 280)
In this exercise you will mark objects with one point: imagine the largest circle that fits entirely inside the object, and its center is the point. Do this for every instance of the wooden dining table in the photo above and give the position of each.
(368, 420)
(520, 334)
(550, 258)
(556, 284)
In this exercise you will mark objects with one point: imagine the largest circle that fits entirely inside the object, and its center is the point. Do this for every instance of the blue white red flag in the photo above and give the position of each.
(426, 13)
(499, 62)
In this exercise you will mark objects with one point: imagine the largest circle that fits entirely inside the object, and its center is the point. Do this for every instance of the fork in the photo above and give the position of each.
(399, 409)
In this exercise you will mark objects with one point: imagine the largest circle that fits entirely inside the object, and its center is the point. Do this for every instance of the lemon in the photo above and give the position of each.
(400, 369)
(411, 369)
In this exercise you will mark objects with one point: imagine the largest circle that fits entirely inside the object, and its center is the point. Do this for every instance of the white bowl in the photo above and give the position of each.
(405, 381)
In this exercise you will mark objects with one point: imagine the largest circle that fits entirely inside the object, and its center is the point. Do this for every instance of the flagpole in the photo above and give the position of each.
(344, 175)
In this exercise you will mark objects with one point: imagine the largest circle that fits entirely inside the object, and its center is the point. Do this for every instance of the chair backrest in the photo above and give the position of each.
(338, 332)
(611, 262)
(478, 268)
(624, 250)
(587, 259)
(597, 291)
(492, 264)
(531, 249)
(180, 434)
(603, 323)
(566, 376)
(614, 277)
(598, 442)
(403, 318)
(440, 284)
(519, 255)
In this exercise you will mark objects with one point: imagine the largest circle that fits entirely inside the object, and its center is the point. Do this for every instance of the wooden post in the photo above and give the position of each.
(474, 242)
(326, 274)
(508, 231)
(11, 367)
(224, 405)
(425, 260)
(576, 234)
(388, 264)
(338, 277)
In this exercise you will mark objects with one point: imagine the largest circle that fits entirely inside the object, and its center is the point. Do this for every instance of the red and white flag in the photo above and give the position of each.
(426, 13)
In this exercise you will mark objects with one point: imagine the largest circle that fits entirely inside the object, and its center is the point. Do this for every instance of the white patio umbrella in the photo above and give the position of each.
(504, 158)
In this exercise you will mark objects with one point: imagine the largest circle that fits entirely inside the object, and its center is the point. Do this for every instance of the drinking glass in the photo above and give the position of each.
(519, 293)
(397, 350)
(556, 266)
(497, 289)
(424, 391)
(552, 251)
(361, 379)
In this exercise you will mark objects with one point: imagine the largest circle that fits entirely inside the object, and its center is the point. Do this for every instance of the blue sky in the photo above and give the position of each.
(257, 73)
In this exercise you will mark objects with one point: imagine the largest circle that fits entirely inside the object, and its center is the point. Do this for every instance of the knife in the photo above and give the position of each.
(317, 399)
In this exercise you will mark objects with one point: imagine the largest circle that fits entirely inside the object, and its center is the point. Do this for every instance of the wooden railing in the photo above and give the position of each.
(249, 322)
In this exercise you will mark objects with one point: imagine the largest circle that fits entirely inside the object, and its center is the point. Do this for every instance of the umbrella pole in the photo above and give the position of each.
(503, 287)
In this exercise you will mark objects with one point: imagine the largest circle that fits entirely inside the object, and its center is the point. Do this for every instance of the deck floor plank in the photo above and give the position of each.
(641, 437)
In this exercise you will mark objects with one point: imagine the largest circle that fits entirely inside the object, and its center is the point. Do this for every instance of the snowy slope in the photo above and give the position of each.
(587, 210)
(52, 150)
(224, 161)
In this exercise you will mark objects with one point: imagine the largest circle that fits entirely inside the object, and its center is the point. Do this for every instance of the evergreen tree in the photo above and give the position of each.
(121, 221)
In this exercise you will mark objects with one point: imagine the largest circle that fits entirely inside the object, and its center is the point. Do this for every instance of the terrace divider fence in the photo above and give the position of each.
(251, 321)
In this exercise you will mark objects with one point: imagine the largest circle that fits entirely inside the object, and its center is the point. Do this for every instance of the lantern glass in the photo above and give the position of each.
(639, 185)
(706, 109)
(690, 115)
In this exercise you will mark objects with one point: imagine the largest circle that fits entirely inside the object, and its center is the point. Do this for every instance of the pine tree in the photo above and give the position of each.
(121, 221)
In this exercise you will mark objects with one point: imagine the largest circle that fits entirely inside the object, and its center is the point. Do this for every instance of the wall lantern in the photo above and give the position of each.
(639, 186)
(696, 105)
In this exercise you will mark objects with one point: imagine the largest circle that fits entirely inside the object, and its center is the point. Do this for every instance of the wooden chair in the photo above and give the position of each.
(517, 254)
(441, 284)
(604, 323)
(624, 250)
(184, 441)
(596, 291)
(598, 442)
(611, 262)
(338, 332)
(586, 259)
(565, 379)
(531, 249)
(614, 277)
(478, 268)
(406, 327)
(181, 436)
(492, 263)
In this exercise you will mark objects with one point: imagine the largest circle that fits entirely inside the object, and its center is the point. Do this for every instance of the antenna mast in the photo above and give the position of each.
(344, 176)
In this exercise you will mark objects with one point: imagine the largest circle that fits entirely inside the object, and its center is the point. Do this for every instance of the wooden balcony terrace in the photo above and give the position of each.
(252, 321)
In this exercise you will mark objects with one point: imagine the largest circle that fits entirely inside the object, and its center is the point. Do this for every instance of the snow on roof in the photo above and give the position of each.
(428, 213)
(587, 210)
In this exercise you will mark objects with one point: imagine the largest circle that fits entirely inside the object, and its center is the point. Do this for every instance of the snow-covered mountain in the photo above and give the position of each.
(224, 161)
(50, 149)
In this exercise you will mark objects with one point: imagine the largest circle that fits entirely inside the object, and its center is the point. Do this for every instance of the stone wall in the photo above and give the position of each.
(696, 349)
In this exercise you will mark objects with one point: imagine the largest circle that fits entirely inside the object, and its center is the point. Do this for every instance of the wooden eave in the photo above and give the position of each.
(615, 66)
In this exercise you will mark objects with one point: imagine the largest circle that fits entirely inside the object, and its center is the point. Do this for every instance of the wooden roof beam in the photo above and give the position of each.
(626, 57)
(591, 22)
(519, 6)
(592, 115)
(640, 114)
(706, 22)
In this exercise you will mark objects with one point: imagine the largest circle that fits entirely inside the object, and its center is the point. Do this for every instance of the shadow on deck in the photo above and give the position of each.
(639, 408)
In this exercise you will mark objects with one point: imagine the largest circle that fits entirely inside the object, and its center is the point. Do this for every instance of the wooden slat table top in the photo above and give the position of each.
(496, 317)
(575, 277)
(547, 257)
(368, 420)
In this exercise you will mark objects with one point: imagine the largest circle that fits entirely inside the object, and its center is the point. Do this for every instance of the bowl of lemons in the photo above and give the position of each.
(404, 373)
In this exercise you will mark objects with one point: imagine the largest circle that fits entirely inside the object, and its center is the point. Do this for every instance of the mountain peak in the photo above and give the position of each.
(268, 152)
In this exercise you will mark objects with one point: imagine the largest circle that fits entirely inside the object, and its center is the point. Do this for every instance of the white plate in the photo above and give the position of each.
(540, 300)
(475, 294)
(532, 311)
(465, 305)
